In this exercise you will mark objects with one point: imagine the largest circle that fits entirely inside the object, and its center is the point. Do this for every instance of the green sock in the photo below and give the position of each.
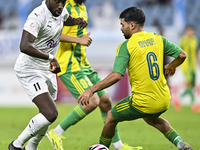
(173, 137)
(187, 91)
(105, 140)
(75, 116)
(116, 137)
(190, 89)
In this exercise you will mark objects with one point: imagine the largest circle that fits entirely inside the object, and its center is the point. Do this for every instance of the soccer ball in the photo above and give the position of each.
(98, 147)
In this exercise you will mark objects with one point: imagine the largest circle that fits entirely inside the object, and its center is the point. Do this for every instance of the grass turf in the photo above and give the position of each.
(87, 131)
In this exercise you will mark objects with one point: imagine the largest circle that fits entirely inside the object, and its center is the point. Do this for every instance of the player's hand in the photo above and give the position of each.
(169, 70)
(54, 66)
(85, 40)
(83, 99)
(81, 22)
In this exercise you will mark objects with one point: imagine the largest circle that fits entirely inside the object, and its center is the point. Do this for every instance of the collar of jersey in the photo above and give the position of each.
(186, 37)
(73, 3)
(139, 33)
(47, 11)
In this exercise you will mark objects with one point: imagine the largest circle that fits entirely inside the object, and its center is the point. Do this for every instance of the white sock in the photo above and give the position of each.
(117, 145)
(34, 126)
(58, 130)
(34, 141)
(180, 144)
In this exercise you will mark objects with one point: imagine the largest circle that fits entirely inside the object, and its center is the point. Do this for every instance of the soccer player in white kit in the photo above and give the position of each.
(36, 67)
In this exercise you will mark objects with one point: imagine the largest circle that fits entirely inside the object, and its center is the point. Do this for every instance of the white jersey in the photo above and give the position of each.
(47, 30)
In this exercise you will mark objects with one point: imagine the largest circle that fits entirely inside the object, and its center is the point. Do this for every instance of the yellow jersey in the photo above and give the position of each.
(190, 46)
(72, 56)
(142, 55)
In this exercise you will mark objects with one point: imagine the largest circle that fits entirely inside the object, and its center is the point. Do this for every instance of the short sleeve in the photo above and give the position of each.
(121, 59)
(66, 14)
(33, 24)
(170, 49)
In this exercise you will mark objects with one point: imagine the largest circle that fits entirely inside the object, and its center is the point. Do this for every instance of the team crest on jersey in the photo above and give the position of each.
(32, 25)
(51, 43)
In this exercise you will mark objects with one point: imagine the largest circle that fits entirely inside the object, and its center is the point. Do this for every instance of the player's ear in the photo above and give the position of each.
(132, 25)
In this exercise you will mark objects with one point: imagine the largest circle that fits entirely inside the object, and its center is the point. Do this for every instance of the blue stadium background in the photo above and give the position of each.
(163, 10)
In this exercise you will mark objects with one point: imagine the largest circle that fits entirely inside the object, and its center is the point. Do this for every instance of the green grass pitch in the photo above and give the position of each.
(86, 132)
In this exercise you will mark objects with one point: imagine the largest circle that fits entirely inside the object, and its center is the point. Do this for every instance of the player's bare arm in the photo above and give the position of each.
(27, 47)
(85, 40)
(75, 21)
(111, 79)
(171, 68)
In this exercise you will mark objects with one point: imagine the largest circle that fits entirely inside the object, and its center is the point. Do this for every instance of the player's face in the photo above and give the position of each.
(80, 1)
(125, 28)
(55, 6)
(190, 32)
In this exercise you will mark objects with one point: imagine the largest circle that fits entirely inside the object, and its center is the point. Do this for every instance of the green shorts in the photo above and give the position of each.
(124, 111)
(78, 82)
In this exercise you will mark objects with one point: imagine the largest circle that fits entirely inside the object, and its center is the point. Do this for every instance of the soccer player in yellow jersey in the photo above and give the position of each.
(77, 75)
(142, 54)
(189, 43)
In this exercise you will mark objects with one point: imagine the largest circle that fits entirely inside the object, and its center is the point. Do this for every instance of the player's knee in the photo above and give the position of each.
(95, 104)
(51, 115)
(110, 121)
(105, 103)
(109, 118)
(109, 115)
(105, 99)
(94, 101)
(164, 122)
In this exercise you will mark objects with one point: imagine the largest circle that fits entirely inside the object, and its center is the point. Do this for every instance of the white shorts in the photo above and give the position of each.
(36, 82)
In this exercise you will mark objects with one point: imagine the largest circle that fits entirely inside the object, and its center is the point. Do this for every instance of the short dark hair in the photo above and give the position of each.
(134, 14)
(190, 26)
(80, 1)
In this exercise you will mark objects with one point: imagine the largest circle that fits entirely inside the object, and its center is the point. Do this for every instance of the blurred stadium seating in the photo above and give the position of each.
(156, 9)
(161, 10)
(191, 8)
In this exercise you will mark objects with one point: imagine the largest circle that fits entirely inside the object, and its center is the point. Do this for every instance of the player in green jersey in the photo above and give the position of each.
(189, 43)
(142, 54)
(77, 75)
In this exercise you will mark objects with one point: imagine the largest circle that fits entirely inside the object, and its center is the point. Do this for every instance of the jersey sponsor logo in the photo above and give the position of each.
(32, 25)
(148, 42)
(51, 43)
